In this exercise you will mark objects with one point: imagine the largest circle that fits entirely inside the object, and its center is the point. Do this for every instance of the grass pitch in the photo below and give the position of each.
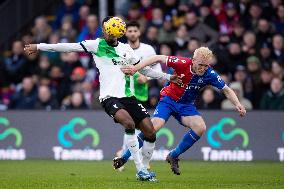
(195, 174)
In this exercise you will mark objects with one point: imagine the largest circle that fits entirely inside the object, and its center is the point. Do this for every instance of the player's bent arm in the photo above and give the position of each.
(152, 60)
(230, 94)
(61, 47)
(149, 72)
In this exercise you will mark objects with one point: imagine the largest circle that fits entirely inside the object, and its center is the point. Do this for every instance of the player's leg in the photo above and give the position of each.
(117, 110)
(189, 117)
(123, 117)
(161, 115)
(197, 129)
(149, 133)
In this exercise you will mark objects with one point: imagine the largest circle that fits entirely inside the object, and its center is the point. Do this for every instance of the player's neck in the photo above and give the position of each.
(134, 44)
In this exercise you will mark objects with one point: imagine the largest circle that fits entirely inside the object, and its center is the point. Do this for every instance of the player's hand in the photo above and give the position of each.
(30, 49)
(128, 70)
(241, 109)
(142, 79)
(176, 79)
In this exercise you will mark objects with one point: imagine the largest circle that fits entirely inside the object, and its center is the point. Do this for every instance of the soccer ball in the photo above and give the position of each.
(115, 27)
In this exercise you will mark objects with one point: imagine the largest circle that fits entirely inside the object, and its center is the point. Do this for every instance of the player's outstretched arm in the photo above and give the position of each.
(230, 94)
(151, 60)
(130, 70)
(59, 47)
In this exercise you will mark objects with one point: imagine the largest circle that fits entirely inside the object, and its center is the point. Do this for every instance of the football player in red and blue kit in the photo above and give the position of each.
(177, 100)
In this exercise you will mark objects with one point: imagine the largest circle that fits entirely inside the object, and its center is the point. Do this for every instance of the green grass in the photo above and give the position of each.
(83, 175)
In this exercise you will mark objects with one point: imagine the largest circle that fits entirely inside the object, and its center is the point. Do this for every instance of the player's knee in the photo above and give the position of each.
(202, 128)
(150, 135)
(151, 138)
(199, 128)
(128, 124)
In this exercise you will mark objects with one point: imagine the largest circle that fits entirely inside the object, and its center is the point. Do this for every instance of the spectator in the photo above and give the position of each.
(208, 18)
(77, 102)
(218, 10)
(25, 98)
(69, 7)
(166, 33)
(92, 30)
(221, 52)
(264, 32)
(208, 99)
(273, 99)
(134, 14)
(242, 76)
(84, 12)
(238, 89)
(157, 18)
(249, 43)
(151, 37)
(16, 65)
(266, 77)
(254, 68)
(255, 13)
(43, 66)
(181, 38)
(41, 30)
(238, 32)
(277, 69)
(59, 83)
(146, 9)
(265, 56)
(200, 31)
(232, 16)
(279, 22)
(45, 99)
(278, 47)
(67, 32)
(236, 57)
(192, 44)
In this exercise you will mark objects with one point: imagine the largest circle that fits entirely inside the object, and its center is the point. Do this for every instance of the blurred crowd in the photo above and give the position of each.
(246, 36)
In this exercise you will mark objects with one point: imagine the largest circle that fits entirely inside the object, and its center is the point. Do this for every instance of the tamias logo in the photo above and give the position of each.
(77, 154)
(215, 132)
(10, 153)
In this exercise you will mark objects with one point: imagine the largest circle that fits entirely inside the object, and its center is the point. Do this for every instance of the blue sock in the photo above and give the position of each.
(188, 140)
(126, 155)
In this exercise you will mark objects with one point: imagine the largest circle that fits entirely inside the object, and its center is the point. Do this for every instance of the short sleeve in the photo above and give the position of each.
(177, 62)
(133, 58)
(90, 46)
(216, 80)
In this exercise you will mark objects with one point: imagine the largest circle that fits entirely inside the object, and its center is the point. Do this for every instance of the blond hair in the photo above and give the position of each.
(204, 52)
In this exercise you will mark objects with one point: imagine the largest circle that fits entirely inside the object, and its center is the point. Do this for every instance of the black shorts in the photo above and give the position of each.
(135, 109)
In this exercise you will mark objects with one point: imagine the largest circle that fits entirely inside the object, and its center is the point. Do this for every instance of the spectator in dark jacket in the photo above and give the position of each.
(202, 32)
(45, 99)
(70, 7)
(25, 98)
(274, 98)
(16, 64)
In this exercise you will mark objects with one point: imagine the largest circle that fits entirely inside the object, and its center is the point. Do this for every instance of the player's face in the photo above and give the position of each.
(199, 65)
(132, 33)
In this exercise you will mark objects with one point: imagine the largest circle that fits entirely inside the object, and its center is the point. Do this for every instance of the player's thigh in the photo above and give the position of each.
(195, 122)
(163, 110)
(124, 118)
(114, 108)
(158, 123)
(137, 111)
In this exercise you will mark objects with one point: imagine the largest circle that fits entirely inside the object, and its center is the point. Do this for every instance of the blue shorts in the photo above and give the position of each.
(167, 107)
